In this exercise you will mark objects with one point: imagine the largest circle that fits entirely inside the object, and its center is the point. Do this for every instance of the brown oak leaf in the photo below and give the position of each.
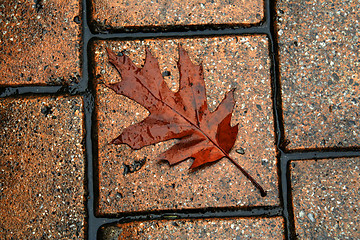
(202, 135)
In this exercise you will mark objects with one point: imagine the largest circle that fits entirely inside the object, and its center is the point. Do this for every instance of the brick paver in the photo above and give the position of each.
(108, 14)
(229, 228)
(319, 68)
(326, 198)
(229, 62)
(40, 42)
(42, 168)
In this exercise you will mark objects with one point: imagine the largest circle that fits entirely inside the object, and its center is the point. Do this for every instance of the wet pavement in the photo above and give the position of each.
(295, 69)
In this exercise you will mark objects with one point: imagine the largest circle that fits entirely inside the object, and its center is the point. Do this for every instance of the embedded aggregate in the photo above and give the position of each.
(326, 198)
(42, 168)
(229, 62)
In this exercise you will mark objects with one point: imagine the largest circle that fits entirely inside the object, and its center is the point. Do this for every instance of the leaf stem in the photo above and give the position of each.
(253, 181)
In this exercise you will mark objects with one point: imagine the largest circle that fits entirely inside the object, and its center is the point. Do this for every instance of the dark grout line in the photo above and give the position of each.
(284, 183)
(41, 90)
(262, 211)
(93, 224)
(285, 189)
(194, 214)
(27, 90)
(260, 29)
(312, 155)
(88, 112)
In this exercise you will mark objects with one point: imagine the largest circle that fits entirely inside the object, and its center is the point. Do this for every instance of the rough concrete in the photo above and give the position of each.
(40, 42)
(240, 62)
(319, 69)
(229, 228)
(326, 198)
(129, 15)
(42, 168)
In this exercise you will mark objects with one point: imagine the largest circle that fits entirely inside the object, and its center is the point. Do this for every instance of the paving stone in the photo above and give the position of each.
(326, 198)
(40, 42)
(42, 168)
(130, 14)
(134, 181)
(319, 64)
(229, 228)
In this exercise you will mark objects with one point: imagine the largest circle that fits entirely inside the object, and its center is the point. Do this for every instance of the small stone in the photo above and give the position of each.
(311, 217)
(240, 151)
(301, 214)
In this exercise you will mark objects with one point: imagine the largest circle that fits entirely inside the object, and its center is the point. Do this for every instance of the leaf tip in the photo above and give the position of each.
(147, 51)
(182, 51)
(149, 57)
(116, 141)
(231, 95)
(110, 53)
(108, 85)
(235, 127)
(113, 86)
(195, 165)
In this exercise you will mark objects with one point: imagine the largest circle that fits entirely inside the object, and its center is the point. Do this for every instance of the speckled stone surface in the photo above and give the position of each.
(228, 228)
(108, 14)
(319, 64)
(40, 42)
(126, 185)
(42, 168)
(326, 198)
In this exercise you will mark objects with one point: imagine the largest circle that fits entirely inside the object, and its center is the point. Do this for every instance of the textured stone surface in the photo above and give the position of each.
(39, 42)
(319, 64)
(229, 62)
(108, 14)
(229, 228)
(326, 198)
(42, 168)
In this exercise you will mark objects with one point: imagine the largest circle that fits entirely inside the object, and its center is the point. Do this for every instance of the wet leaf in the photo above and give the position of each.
(202, 135)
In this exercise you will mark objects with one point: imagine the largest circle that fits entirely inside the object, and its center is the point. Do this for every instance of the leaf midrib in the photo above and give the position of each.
(184, 117)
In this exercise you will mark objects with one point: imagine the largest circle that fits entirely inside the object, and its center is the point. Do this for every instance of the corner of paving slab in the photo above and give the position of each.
(42, 168)
(325, 198)
(319, 52)
(40, 42)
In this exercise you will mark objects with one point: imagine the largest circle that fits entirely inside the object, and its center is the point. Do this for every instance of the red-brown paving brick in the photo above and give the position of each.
(108, 14)
(42, 168)
(319, 64)
(326, 198)
(228, 62)
(228, 228)
(40, 42)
